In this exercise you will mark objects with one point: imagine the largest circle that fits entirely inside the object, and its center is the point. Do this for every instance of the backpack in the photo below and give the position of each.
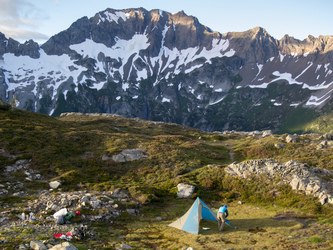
(68, 216)
(60, 220)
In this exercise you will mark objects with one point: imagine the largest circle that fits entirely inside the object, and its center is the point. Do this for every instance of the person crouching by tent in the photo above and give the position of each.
(221, 217)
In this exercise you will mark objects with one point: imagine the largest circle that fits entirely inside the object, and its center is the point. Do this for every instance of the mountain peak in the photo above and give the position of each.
(259, 30)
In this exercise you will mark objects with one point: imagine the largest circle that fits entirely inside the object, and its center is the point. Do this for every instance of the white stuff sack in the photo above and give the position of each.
(61, 212)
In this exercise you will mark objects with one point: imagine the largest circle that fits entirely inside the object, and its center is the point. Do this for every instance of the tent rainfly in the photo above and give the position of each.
(189, 222)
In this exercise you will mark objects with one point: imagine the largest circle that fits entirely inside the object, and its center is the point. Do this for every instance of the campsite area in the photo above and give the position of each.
(128, 204)
(257, 228)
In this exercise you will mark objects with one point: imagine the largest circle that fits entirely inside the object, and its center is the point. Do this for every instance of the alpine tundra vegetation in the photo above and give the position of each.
(121, 175)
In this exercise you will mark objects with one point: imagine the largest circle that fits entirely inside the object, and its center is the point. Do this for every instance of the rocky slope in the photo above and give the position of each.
(299, 177)
(169, 67)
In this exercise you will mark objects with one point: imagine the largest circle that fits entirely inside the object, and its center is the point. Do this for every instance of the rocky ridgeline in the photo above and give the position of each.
(312, 181)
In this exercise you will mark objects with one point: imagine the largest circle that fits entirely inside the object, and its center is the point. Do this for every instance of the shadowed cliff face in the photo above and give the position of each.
(169, 67)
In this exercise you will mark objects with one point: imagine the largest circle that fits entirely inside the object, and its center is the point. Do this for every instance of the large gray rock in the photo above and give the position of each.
(185, 190)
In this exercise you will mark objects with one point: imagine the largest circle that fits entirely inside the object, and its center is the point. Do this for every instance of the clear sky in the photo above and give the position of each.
(40, 19)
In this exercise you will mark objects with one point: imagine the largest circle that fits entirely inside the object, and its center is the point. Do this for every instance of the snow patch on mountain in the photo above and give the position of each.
(280, 76)
(24, 71)
(310, 64)
(113, 17)
(317, 101)
(122, 50)
(187, 56)
(288, 77)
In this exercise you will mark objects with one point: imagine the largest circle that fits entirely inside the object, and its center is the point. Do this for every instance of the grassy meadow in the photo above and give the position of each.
(71, 148)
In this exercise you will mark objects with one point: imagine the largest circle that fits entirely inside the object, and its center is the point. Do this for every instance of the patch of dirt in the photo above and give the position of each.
(295, 217)
(257, 230)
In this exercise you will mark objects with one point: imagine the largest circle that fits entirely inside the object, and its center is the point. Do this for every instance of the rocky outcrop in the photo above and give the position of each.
(297, 175)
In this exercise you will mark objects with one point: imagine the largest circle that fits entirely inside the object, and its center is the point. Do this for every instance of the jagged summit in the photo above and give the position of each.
(109, 25)
(168, 67)
(322, 44)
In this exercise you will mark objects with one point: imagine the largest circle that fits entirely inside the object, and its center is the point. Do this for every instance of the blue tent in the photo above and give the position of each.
(190, 221)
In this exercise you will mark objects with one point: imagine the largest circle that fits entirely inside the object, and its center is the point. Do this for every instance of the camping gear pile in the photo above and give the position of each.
(76, 233)
(63, 217)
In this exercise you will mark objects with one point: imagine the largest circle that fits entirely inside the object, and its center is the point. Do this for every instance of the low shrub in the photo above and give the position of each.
(316, 239)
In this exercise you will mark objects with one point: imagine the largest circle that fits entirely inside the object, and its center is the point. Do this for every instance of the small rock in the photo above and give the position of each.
(3, 192)
(37, 245)
(132, 211)
(279, 145)
(290, 139)
(266, 133)
(95, 204)
(124, 246)
(64, 246)
(54, 184)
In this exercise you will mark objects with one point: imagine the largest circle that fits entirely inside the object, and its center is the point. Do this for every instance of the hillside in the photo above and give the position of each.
(169, 67)
(131, 201)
